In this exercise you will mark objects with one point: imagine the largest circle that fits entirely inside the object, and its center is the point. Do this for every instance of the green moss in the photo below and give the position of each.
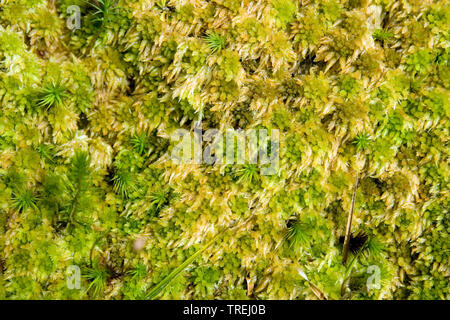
(86, 179)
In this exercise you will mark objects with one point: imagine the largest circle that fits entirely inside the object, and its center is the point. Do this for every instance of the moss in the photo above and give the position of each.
(358, 90)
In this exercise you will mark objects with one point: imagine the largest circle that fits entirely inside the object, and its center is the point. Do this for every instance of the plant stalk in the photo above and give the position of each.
(160, 286)
(348, 229)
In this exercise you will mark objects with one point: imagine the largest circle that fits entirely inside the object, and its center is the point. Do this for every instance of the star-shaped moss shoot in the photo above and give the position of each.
(298, 235)
(52, 94)
(97, 276)
(362, 141)
(159, 199)
(140, 143)
(249, 173)
(124, 182)
(104, 10)
(24, 200)
(215, 41)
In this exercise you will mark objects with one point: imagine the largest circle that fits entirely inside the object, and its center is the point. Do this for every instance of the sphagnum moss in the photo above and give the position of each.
(358, 89)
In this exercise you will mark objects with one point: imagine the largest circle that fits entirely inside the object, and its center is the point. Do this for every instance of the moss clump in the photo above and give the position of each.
(359, 91)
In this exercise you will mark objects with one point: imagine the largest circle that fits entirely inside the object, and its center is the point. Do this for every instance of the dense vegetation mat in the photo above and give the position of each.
(92, 206)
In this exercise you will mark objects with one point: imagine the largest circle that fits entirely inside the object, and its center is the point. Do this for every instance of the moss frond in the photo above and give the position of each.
(52, 95)
(298, 235)
(215, 41)
(97, 275)
(362, 141)
(24, 200)
(124, 182)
